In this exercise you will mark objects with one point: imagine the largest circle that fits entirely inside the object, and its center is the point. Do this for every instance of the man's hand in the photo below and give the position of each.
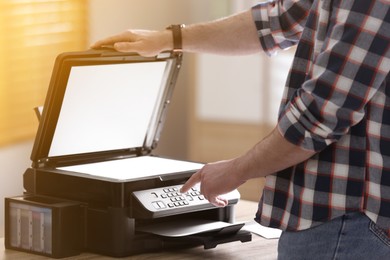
(233, 35)
(272, 154)
(215, 179)
(145, 43)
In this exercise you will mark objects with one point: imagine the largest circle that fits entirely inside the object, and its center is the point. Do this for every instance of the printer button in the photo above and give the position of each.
(156, 205)
(161, 204)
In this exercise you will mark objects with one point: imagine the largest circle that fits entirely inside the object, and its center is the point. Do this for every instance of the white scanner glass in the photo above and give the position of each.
(108, 107)
(136, 168)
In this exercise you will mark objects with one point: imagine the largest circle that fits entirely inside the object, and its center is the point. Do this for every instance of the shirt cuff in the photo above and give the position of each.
(299, 126)
(263, 27)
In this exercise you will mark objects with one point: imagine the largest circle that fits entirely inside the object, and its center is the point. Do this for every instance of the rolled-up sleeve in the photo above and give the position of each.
(280, 23)
(348, 72)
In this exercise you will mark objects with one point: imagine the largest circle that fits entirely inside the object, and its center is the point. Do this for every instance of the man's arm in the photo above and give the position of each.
(272, 154)
(234, 35)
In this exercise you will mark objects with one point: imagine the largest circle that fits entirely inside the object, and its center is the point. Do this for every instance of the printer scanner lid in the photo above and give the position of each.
(104, 104)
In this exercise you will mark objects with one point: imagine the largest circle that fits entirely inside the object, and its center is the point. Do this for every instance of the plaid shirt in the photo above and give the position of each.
(336, 102)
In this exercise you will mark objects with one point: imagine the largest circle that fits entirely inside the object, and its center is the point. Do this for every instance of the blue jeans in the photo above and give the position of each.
(352, 236)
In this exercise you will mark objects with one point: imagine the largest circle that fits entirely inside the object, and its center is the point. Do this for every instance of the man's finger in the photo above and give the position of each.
(218, 201)
(194, 179)
(126, 46)
(124, 37)
(222, 202)
(107, 41)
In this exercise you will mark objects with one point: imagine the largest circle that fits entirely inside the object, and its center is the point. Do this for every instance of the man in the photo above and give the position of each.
(326, 163)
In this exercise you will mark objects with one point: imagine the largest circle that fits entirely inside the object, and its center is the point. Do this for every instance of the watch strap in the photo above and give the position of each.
(177, 36)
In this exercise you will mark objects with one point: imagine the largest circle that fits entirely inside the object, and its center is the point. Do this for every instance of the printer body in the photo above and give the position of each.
(94, 184)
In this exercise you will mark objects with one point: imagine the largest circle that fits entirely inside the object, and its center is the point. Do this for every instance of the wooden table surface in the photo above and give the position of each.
(258, 248)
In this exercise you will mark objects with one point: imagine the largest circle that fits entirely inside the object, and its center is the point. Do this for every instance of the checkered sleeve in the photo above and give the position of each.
(280, 23)
(347, 71)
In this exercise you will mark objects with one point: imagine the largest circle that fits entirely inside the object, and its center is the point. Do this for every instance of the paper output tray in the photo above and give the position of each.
(210, 241)
(197, 232)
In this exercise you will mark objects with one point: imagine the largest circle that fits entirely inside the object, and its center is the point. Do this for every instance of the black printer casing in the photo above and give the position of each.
(104, 215)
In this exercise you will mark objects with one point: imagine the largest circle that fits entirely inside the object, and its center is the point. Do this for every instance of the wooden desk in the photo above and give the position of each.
(258, 248)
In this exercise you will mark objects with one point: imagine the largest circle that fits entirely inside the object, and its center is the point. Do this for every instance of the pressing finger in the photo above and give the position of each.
(194, 179)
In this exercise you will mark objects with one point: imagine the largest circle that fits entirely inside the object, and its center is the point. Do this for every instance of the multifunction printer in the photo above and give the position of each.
(95, 184)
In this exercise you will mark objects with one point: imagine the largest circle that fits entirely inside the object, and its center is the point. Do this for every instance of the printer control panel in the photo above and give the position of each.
(165, 201)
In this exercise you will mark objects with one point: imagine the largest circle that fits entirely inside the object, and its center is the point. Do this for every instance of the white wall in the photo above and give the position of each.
(13, 160)
(251, 87)
(107, 18)
(110, 17)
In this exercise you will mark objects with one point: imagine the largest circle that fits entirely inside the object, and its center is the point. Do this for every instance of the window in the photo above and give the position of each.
(33, 33)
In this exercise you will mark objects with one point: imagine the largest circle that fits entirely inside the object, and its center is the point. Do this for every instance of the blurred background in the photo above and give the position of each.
(221, 107)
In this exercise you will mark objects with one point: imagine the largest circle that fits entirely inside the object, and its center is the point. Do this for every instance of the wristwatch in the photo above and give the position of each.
(177, 37)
